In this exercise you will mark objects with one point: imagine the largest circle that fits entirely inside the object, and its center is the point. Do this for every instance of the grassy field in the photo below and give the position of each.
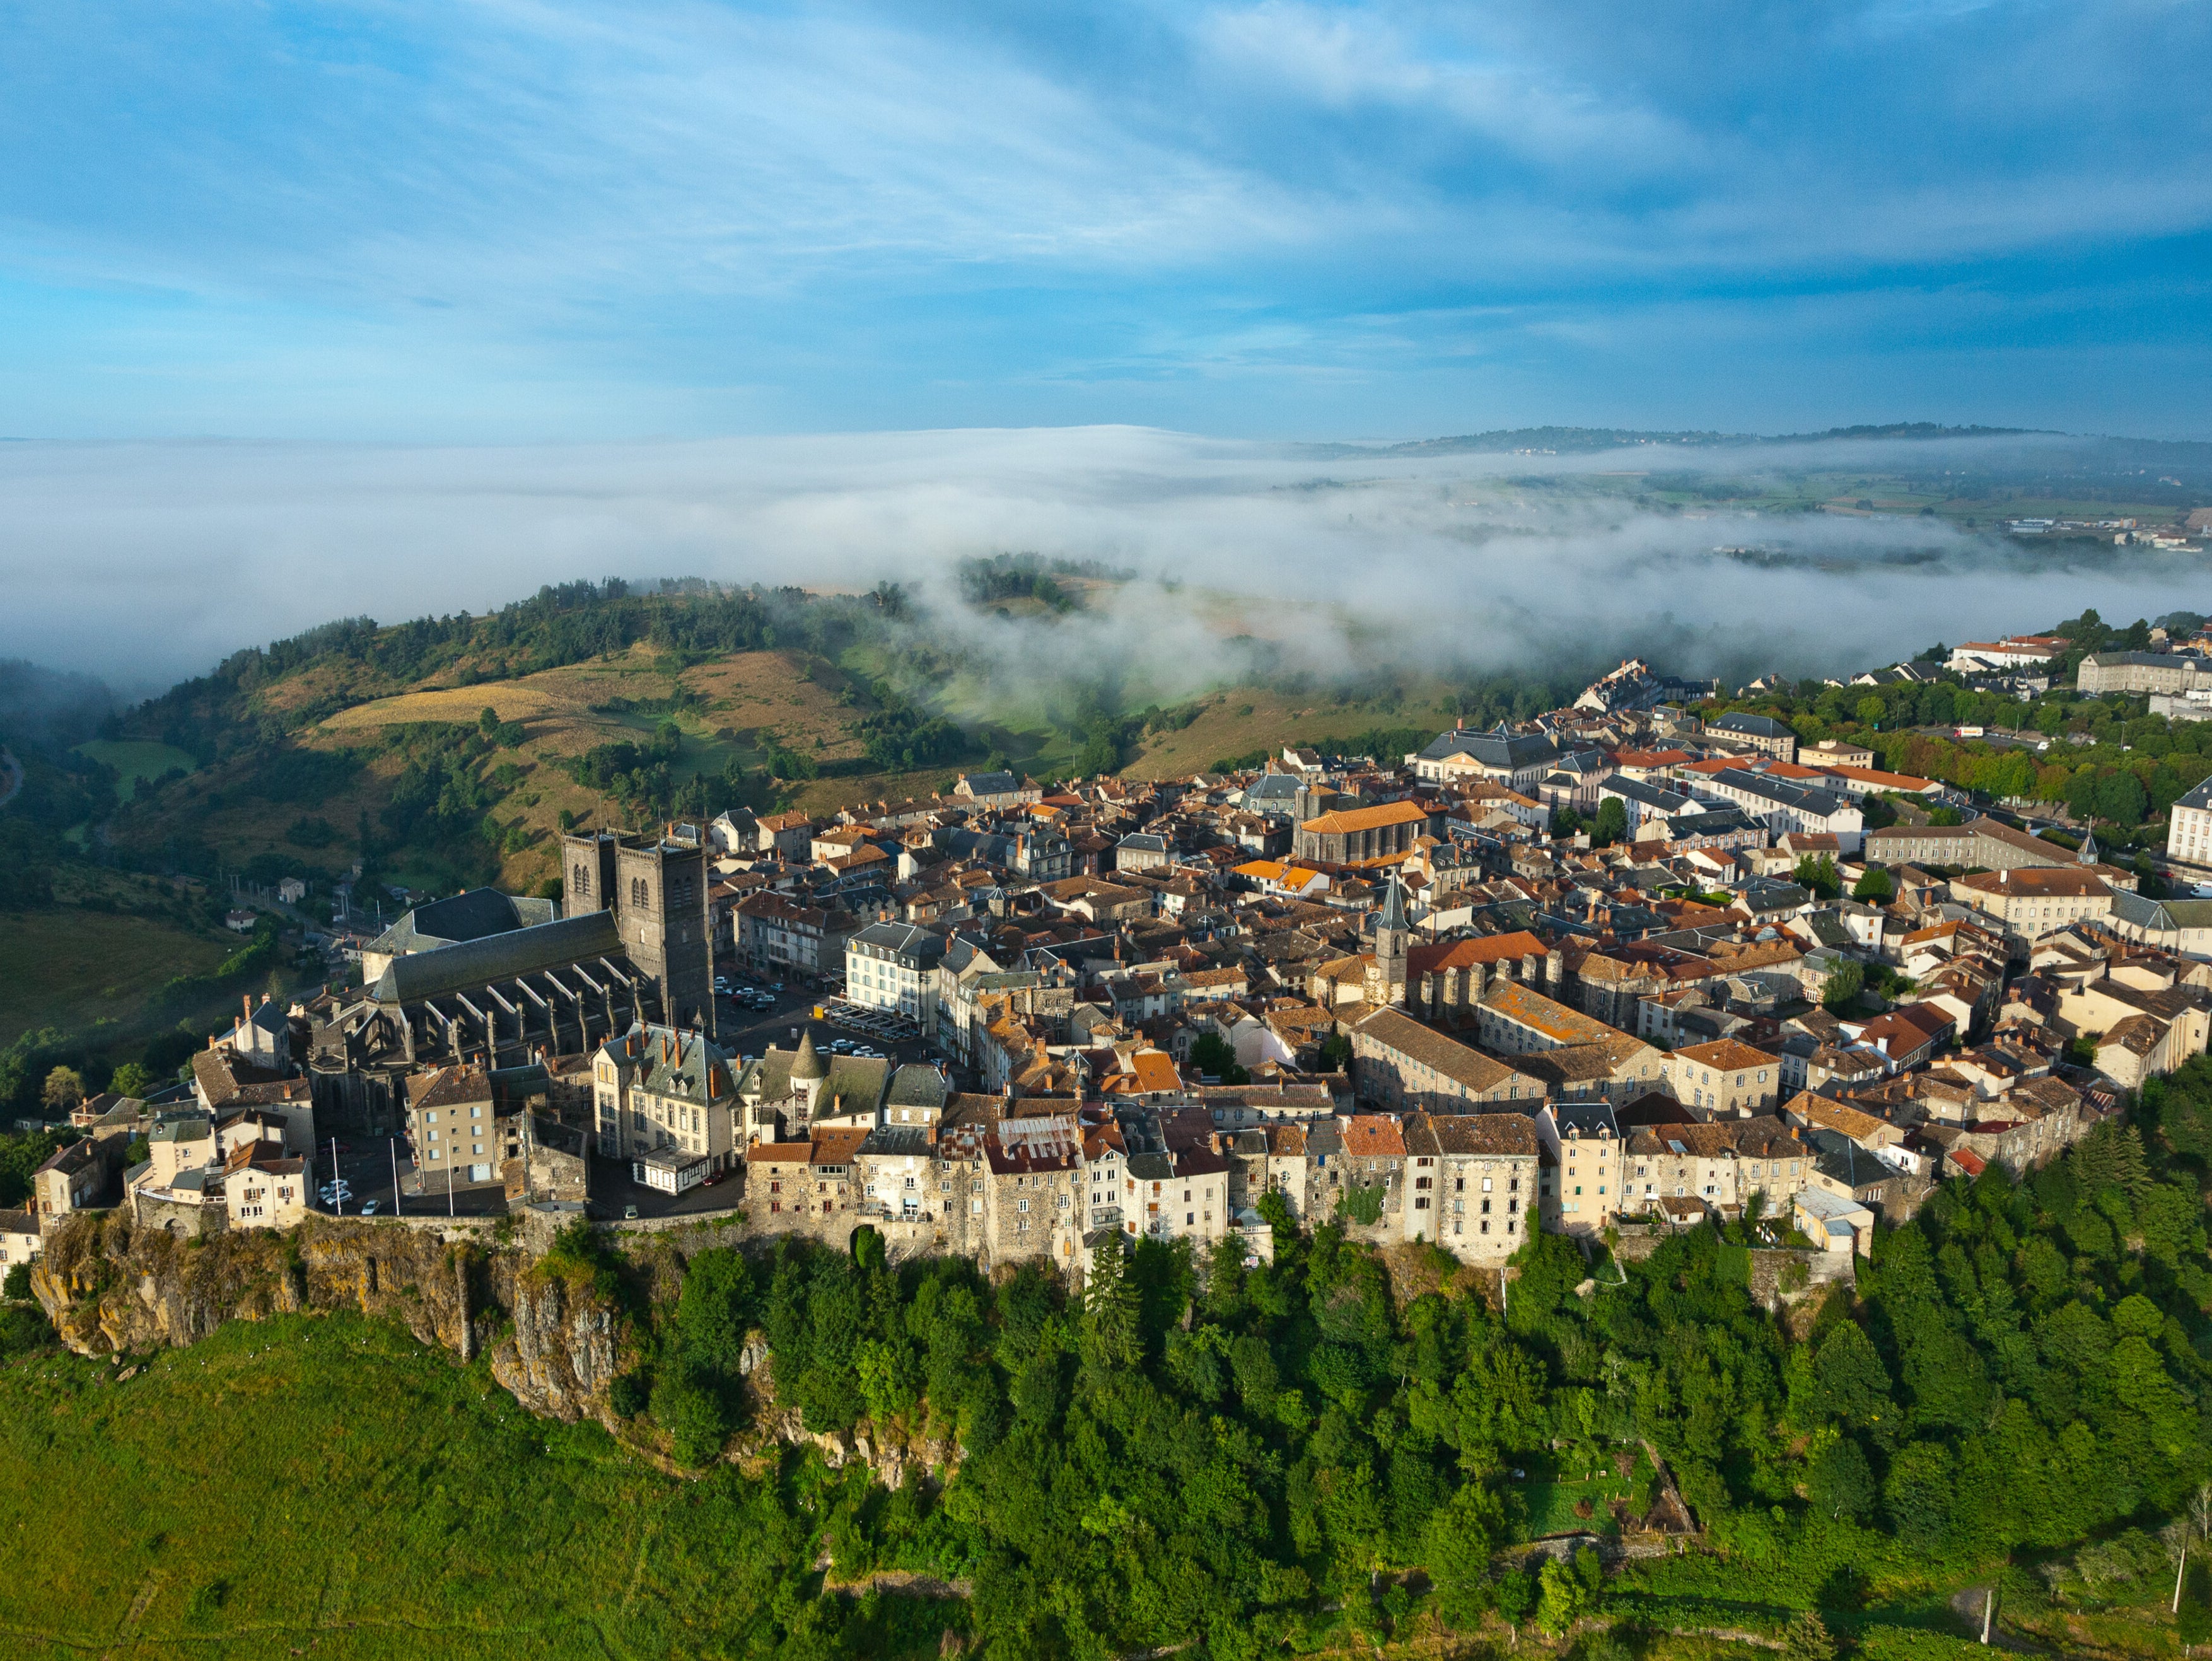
(325, 1486)
(69, 968)
(1552, 1491)
(1242, 719)
(137, 759)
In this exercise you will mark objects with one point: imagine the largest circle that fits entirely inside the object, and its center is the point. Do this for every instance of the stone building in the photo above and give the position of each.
(778, 936)
(1761, 733)
(1719, 1166)
(1349, 835)
(2142, 672)
(787, 1090)
(1400, 1065)
(264, 1189)
(1445, 981)
(1033, 1196)
(1985, 842)
(1579, 1190)
(664, 1091)
(1468, 1178)
(655, 888)
(2031, 902)
(1386, 970)
(1725, 1078)
(477, 914)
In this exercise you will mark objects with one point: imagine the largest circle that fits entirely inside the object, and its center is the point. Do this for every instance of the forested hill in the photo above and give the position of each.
(263, 692)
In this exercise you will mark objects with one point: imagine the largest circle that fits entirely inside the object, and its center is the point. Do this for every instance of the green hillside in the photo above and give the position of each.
(327, 1486)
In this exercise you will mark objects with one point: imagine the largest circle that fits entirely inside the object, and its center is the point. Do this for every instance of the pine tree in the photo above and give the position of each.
(1807, 1639)
(1110, 1308)
(2112, 1156)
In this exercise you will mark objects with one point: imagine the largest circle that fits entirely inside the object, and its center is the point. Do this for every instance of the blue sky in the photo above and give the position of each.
(527, 220)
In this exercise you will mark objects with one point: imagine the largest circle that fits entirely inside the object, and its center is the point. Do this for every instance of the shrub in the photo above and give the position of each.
(630, 1394)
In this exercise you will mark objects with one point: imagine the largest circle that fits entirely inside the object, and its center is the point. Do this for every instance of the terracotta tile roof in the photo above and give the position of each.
(1844, 1121)
(1154, 1071)
(1373, 1137)
(1461, 1063)
(1725, 1056)
(1465, 954)
(1366, 818)
(1554, 1021)
(2037, 882)
(780, 1153)
(837, 1144)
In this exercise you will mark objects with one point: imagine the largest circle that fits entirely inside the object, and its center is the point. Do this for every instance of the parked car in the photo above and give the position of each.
(369, 1208)
(629, 1214)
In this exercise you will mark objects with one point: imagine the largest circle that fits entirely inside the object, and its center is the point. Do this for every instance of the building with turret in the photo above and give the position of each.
(666, 1101)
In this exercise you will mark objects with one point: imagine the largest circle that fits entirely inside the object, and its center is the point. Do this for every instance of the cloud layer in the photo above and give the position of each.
(146, 562)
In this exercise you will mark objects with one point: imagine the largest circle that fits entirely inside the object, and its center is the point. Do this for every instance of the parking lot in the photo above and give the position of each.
(367, 1166)
(753, 1017)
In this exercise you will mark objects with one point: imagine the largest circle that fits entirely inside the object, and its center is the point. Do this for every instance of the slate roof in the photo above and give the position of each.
(1804, 798)
(1765, 726)
(916, 1085)
(903, 941)
(498, 957)
(2160, 917)
(474, 916)
(677, 1064)
(1501, 750)
(859, 1080)
(1461, 1063)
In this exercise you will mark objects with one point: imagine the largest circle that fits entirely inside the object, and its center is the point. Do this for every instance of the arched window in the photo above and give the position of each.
(582, 884)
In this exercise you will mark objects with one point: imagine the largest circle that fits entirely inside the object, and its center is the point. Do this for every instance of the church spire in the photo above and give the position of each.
(1390, 931)
(1393, 914)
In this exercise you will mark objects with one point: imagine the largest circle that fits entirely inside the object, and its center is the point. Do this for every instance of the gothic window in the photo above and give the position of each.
(583, 884)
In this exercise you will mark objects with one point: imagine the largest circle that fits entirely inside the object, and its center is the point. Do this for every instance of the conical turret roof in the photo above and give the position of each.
(808, 1063)
(1393, 914)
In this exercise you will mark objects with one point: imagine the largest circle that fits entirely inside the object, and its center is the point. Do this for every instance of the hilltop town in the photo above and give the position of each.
(1632, 964)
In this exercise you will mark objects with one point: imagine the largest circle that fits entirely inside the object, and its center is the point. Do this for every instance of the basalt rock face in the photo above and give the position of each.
(561, 1356)
(907, 1452)
(550, 1336)
(109, 1288)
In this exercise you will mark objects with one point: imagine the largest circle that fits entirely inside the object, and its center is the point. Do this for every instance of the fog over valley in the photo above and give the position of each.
(145, 562)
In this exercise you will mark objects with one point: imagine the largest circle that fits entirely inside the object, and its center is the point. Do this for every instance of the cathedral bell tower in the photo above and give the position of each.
(1387, 985)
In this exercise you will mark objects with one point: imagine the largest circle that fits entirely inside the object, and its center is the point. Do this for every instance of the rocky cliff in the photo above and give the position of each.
(110, 1288)
(550, 1335)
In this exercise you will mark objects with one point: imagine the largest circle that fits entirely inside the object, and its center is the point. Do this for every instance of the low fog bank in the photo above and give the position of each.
(144, 564)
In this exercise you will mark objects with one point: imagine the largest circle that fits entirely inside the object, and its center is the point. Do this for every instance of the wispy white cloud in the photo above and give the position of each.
(146, 562)
(1349, 59)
